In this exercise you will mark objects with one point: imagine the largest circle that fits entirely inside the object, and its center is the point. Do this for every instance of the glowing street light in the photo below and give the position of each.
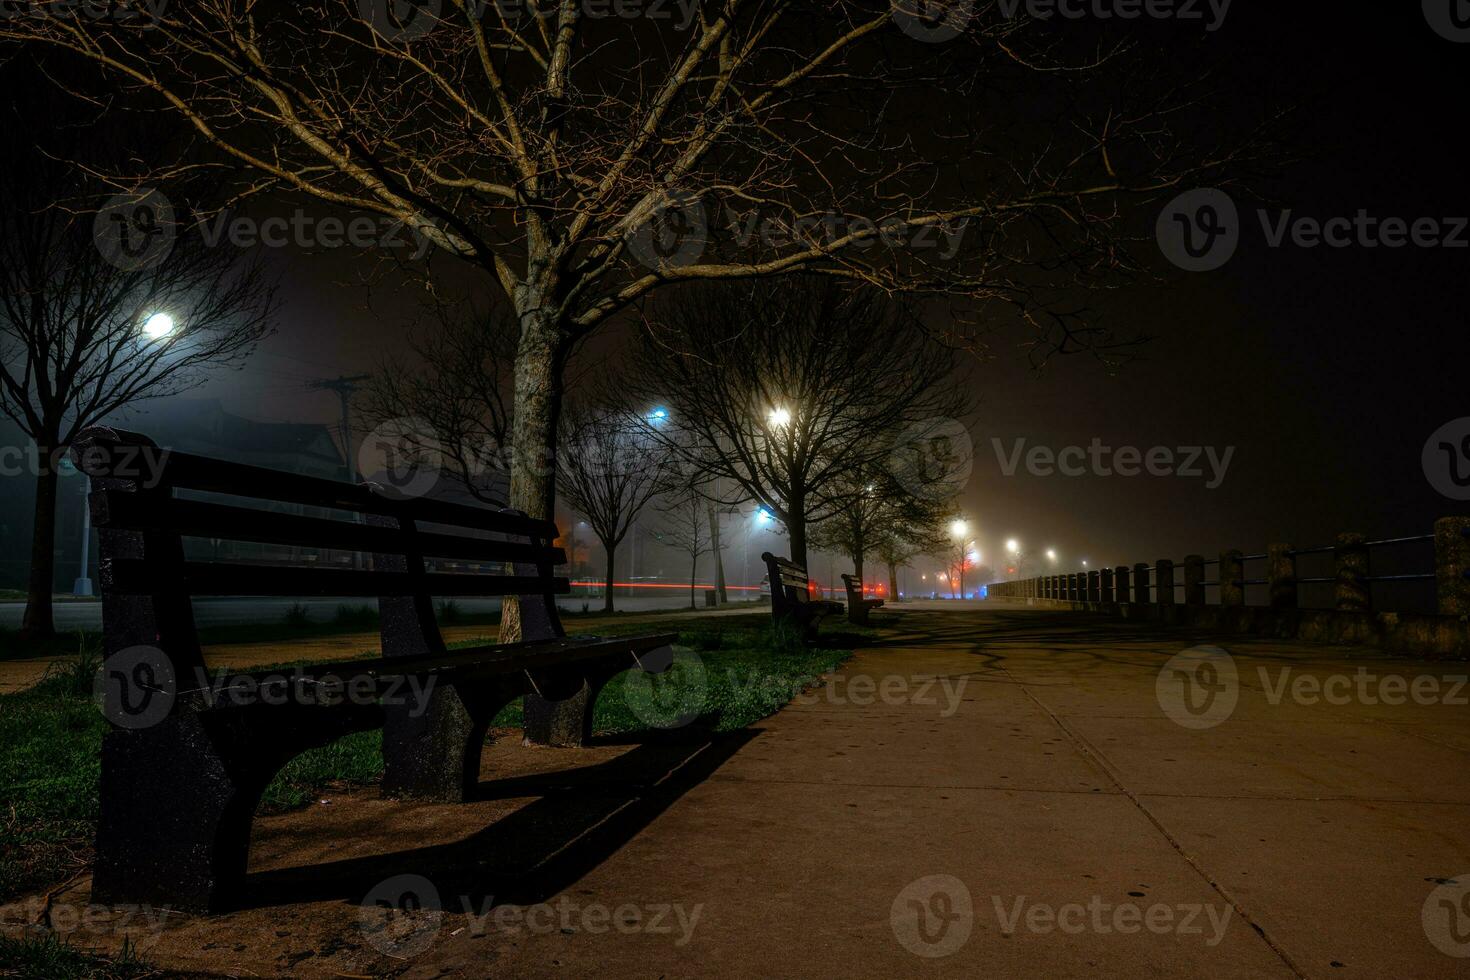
(763, 516)
(959, 528)
(158, 326)
(1013, 546)
(779, 418)
(1051, 555)
(658, 415)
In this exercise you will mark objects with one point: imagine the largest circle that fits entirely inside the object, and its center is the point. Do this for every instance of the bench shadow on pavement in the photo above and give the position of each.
(579, 818)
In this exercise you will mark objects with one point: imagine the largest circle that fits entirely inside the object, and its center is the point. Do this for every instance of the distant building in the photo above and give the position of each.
(192, 425)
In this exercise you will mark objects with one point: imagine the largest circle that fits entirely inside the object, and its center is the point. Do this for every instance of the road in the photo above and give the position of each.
(71, 615)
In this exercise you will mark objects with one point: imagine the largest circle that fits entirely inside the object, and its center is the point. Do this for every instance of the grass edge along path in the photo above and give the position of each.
(729, 672)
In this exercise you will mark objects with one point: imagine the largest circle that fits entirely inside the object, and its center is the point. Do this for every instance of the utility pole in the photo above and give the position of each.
(721, 596)
(345, 387)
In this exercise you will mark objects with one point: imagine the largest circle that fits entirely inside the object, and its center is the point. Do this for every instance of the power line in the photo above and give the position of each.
(345, 387)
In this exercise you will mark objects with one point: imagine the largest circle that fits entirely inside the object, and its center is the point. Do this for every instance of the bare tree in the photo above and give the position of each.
(853, 530)
(888, 518)
(916, 529)
(608, 469)
(793, 391)
(687, 528)
(582, 162)
(104, 302)
(452, 407)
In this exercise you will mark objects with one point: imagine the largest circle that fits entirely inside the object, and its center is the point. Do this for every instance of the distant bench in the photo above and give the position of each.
(791, 597)
(186, 759)
(857, 605)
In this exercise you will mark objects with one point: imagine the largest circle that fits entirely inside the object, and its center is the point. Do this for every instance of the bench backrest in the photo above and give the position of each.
(147, 582)
(789, 581)
(854, 586)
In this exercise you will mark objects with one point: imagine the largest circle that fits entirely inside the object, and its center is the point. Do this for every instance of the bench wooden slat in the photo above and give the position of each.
(197, 518)
(222, 476)
(464, 664)
(134, 576)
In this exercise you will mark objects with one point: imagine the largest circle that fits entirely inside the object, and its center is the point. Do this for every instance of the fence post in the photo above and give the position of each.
(1094, 587)
(1281, 576)
(1452, 564)
(1194, 580)
(1121, 572)
(1232, 574)
(1165, 585)
(1350, 555)
(1107, 585)
(1140, 583)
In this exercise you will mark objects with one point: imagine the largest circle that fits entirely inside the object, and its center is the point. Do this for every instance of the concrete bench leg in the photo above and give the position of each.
(561, 714)
(177, 800)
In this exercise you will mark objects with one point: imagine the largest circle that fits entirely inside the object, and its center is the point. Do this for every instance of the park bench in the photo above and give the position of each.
(857, 605)
(791, 597)
(188, 753)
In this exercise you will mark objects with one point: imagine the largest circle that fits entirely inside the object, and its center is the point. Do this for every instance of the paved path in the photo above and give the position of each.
(1004, 787)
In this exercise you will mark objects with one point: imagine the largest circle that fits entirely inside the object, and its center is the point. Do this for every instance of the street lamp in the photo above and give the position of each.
(779, 418)
(1051, 555)
(1013, 548)
(158, 326)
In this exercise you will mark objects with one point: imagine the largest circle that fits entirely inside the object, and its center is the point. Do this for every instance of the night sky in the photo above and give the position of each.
(1326, 369)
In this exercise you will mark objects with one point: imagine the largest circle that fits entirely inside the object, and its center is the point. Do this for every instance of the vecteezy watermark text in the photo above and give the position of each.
(402, 916)
(934, 916)
(137, 687)
(1200, 688)
(937, 21)
(1200, 230)
(1096, 459)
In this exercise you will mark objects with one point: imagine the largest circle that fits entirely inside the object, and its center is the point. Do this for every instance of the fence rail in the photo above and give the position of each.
(1351, 577)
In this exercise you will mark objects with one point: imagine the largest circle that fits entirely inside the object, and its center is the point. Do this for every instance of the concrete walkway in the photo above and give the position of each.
(986, 793)
(1057, 816)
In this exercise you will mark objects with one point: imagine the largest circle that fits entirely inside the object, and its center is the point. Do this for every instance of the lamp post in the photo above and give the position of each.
(83, 584)
(1013, 548)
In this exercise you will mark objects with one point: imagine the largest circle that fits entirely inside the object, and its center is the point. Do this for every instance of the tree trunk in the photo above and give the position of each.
(857, 567)
(607, 595)
(892, 582)
(38, 622)
(693, 573)
(796, 530)
(540, 357)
